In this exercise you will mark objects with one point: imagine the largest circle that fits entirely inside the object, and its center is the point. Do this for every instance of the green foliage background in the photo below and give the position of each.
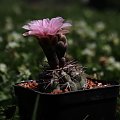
(94, 41)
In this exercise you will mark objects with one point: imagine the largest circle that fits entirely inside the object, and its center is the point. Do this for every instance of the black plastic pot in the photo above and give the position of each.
(92, 104)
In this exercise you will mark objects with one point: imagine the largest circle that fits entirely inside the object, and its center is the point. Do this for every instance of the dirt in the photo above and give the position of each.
(35, 86)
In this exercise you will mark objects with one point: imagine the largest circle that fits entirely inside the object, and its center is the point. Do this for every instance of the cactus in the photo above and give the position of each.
(64, 75)
(71, 77)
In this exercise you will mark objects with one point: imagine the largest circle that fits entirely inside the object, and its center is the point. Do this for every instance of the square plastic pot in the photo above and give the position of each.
(91, 104)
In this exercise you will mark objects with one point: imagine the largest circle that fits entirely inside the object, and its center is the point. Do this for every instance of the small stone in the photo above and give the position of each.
(99, 84)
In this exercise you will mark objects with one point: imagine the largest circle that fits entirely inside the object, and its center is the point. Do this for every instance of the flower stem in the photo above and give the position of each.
(50, 53)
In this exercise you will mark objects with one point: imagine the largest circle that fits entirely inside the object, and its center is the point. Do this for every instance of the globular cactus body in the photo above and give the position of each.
(70, 77)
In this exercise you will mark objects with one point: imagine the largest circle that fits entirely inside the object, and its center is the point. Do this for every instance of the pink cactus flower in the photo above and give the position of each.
(46, 27)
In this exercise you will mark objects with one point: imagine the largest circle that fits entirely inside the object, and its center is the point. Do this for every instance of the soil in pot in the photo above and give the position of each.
(44, 87)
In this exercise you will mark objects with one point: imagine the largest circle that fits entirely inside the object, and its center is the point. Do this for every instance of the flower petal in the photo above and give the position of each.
(56, 22)
(66, 25)
(45, 23)
(35, 25)
(26, 27)
(63, 32)
(26, 34)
